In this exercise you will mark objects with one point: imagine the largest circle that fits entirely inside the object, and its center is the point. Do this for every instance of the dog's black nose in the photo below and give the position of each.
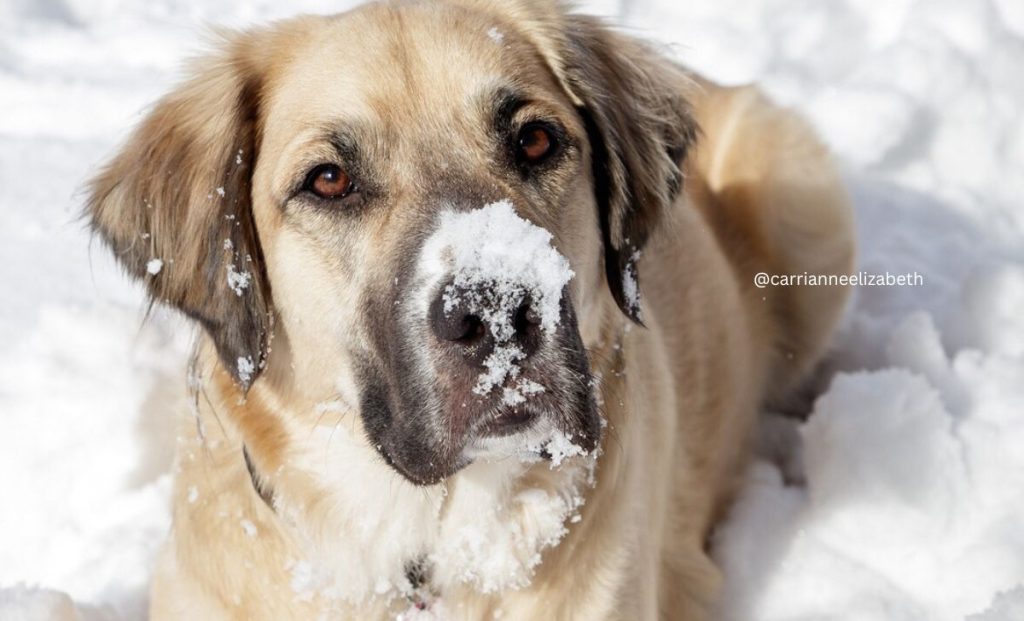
(475, 320)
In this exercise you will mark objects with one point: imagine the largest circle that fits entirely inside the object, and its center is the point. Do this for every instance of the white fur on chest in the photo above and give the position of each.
(359, 524)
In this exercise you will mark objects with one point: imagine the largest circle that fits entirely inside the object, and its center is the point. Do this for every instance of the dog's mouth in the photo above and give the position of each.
(528, 435)
(428, 433)
(525, 426)
(508, 420)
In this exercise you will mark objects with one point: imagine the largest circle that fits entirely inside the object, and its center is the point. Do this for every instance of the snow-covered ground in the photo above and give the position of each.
(908, 499)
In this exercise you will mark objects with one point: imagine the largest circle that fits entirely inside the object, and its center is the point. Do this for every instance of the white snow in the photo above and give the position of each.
(498, 260)
(248, 527)
(153, 266)
(560, 447)
(21, 603)
(908, 502)
(630, 287)
(1006, 607)
(238, 281)
(502, 363)
(495, 35)
(305, 581)
(494, 248)
(246, 368)
(493, 537)
(914, 492)
(521, 392)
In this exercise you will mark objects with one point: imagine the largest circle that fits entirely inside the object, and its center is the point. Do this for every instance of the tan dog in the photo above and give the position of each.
(380, 430)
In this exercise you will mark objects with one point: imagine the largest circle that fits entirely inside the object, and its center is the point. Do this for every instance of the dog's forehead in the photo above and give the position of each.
(412, 61)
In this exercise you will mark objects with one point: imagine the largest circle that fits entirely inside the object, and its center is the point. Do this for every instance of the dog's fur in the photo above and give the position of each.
(310, 482)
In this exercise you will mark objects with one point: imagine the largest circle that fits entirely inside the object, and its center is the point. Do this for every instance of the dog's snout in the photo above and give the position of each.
(473, 320)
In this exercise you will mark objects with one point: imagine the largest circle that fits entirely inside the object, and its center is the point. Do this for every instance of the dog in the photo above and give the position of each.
(479, 332)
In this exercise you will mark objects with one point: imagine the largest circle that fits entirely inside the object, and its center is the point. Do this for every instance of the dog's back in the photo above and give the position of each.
(762, 197)
(778, 207)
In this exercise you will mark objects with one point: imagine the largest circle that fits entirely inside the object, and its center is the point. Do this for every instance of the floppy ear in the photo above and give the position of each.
(639, 124)
(640, 129)
(174, 205)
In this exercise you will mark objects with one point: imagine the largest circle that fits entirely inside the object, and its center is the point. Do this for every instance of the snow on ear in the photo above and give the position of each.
(640, 128)
(174, 205)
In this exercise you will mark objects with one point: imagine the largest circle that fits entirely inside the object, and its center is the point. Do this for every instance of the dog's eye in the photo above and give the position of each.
(329, 181)
(535, 144)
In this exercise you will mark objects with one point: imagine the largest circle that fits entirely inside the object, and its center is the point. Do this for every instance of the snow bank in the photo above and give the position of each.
(88, 401)
(21, 603)
(913, 495)
(1006, 607)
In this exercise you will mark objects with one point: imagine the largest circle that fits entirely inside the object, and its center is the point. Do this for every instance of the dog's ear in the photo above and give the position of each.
(640, 128)
(174, 205)
(639, 122)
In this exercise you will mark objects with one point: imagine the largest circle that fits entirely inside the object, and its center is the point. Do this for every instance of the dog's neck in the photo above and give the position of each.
(363, 530)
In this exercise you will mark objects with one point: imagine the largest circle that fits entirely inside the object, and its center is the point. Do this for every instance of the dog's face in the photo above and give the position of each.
(361, 165)
(342, 185)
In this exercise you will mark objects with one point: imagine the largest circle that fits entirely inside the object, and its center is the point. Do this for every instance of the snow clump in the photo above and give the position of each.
(238, 281)
(246, 368)
(497, 260)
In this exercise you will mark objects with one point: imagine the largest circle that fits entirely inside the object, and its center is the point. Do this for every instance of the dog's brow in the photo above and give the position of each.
(505, 102)
(345, 142)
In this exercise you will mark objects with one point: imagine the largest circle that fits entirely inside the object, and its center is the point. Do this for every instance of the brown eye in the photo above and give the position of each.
(329, 181)
(536, 143)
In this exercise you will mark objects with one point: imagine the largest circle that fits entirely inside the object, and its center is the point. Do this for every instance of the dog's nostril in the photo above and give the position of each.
(526, 317)
(473, 329)
(456, 325)
(526, 323)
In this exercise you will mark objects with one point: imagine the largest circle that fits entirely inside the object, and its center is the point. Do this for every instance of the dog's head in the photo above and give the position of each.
(421, 202)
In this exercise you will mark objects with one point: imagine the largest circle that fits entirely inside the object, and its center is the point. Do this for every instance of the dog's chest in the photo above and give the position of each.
(365, 534)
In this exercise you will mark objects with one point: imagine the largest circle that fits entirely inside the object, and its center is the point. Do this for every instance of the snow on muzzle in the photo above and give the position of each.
(497, 285)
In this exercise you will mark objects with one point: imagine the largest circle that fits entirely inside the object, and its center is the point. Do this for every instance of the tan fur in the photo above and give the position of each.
(680, 393)
(778, 206)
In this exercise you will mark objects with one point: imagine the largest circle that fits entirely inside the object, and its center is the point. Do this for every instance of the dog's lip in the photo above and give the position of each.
(508, 420)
